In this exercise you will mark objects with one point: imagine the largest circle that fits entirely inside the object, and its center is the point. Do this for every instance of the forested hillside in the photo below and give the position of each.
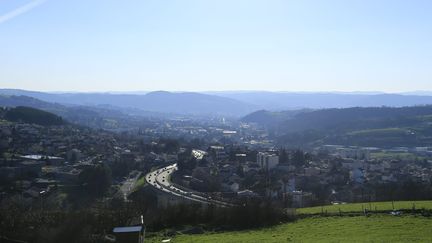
(375, 126)
(32, 115)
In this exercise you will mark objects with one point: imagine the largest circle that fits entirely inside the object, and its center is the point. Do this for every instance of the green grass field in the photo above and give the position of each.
(358, 207)
(139, 183)
(376, 228)
(391, 131)
(391, 155)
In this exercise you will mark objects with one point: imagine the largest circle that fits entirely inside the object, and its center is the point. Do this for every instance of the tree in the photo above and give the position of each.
(299, 158)
(187, 163)
(171, 145)
(283, 157)
(96, 179)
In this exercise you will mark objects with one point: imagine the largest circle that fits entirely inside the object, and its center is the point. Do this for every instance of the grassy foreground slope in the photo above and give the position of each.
(376, 228)
(358, 207)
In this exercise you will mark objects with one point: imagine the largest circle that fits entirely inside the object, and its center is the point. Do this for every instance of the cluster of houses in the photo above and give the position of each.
(389, 166)
(211, 130)
(244, 175)
(36, 159)
(252, 173)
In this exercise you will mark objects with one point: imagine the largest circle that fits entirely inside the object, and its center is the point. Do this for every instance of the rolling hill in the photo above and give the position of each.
(271, 118)
(33, 116)
(376, 228)
(334, 223)
(92, 116)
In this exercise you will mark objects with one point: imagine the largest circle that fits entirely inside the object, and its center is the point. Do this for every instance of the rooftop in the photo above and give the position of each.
(128, 229)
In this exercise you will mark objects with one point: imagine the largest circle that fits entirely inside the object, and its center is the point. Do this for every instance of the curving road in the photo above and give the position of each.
(160, 179)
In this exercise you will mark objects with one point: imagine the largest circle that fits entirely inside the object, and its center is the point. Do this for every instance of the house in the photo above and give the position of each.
(354, 153)
(226, 171)
(301, 199)
(249, 166)
(68, 175)
(234, 186)
(31, 168)
(131, 234)
(357, 175)
(74, 155)
(274, 191)
(377, 167)
(41, 182)
(51, 160)
(198, 154)
(312, 171)
(219, 152)
(170, 157)
(230, 186)
(241, 157)
(31, 193)
(291, 185)
(246, 194)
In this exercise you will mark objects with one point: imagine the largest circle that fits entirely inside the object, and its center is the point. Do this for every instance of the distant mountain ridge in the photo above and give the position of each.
(232, 103)
(320, 100)
(158, 101)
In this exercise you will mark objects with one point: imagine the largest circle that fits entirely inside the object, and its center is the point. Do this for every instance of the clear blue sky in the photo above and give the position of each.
(127, 45)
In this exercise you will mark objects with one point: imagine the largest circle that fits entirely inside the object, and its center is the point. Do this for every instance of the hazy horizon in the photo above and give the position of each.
(413, 92)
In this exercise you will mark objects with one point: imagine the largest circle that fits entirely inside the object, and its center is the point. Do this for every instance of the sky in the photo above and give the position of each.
(213, 45)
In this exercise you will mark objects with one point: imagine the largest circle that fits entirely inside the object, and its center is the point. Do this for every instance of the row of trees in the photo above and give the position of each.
(33, 223)
(248, 215)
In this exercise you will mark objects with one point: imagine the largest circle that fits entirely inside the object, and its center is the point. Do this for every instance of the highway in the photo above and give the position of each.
(160, 179)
